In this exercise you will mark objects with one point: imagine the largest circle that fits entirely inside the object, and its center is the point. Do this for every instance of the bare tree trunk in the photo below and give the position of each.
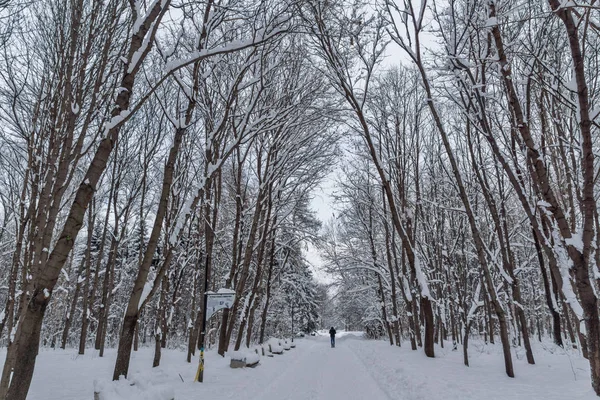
(9, 310)
(85, 317)
(255, 305)
(466, 343)
(501, 229)
(265, 310)
(380, 291)
(416, 321)
(395, 317)
(133, 307)
(157, 348)
(405, 290)
(136, 338)
(210, 222)
(106, 289)
(581, 258)
(265, 222)
(266, 290)
(384, 317)
(239, 209)
(71, 311)
(248, 251)
(192, 332)
(548, 292)
(568, 324)
(160, 322)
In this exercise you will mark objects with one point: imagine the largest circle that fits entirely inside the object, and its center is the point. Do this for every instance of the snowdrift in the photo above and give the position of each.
(152, 386)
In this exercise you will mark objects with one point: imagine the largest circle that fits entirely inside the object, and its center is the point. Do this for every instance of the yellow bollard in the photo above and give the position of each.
(200, 371)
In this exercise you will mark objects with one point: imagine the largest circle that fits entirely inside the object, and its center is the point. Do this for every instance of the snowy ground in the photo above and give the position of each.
(355, 369)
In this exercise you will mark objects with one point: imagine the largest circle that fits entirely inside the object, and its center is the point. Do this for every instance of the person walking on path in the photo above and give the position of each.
(332, 335)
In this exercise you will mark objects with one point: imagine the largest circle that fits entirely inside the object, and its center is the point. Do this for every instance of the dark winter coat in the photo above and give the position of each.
(332, 332)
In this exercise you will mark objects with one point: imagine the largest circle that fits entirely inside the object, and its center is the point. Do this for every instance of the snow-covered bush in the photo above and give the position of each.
(154, 386)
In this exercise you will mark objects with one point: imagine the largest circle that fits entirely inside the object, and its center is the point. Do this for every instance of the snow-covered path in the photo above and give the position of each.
(323, 373)
(356, 369)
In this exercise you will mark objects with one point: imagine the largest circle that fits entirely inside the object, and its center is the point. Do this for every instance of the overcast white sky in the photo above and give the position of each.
(322, 204)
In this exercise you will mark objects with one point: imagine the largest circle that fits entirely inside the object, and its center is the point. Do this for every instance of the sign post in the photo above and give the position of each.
(213, 302)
